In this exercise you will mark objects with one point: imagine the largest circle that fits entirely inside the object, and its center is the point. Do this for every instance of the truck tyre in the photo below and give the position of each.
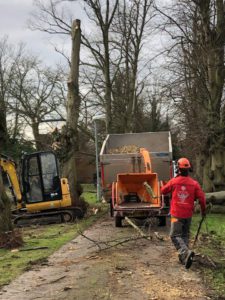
(118, 221)
(162, 221)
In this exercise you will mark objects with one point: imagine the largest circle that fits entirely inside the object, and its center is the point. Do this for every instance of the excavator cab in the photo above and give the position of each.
(40, 178)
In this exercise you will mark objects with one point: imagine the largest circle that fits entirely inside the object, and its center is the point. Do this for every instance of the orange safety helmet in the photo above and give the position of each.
(183, 163)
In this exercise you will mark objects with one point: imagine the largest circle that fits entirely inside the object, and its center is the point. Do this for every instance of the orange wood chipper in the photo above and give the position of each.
(136, 193)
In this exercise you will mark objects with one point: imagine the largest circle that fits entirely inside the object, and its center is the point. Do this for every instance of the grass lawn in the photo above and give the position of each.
(13, 263)
(211, 243)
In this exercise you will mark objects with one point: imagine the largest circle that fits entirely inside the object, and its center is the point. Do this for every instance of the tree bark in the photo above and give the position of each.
(3, 126)
(35, 130)
(214, 45)
(73, 109)
(5, 209)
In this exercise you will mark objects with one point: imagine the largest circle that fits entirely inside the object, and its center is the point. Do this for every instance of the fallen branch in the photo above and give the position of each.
(206, 261)
(34, 248)
(123, 242)
(158, 236)
(91, 240)
(105, 245)
(53, 281)
(57, 279)
(138, 229)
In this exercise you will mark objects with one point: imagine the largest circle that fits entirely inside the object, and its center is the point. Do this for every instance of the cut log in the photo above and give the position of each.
(216, 197)
(214, 209)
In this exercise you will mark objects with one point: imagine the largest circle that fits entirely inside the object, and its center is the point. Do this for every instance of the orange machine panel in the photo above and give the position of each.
(138, 187)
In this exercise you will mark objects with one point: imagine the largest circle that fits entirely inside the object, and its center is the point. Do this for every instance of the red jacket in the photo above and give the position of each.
(185, 191)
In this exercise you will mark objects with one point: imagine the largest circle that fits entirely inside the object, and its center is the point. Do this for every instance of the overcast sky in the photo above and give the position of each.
(13, 23)
(14, 15)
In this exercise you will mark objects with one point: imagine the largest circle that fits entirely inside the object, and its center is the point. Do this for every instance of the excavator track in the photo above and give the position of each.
(48, 217)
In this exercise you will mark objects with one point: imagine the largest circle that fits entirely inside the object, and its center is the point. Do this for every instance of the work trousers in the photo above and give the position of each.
(179, 233)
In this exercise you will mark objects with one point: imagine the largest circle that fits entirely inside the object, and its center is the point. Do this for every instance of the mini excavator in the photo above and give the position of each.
(38, 191)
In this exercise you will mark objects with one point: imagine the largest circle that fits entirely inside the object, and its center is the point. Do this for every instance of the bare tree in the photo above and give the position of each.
(34, 93)
(132, 26)
(126, 40)
(102, 15)
(8, 58)
(114, 46)
(199, 84)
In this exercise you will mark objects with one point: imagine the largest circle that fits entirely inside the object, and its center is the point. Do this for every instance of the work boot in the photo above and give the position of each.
(189, 259)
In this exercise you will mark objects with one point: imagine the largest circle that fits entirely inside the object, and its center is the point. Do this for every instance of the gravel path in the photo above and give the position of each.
(138, 269)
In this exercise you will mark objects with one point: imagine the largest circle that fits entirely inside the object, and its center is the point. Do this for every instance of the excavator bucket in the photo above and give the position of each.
(138, 188)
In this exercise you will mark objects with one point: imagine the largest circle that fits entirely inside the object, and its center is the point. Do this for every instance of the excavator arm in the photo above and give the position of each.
(9, 167)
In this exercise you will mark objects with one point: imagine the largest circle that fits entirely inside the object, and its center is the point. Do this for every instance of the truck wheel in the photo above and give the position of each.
(162, 221)
(118, 221)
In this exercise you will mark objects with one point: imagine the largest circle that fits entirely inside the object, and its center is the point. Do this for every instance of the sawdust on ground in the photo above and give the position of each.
(140, 269)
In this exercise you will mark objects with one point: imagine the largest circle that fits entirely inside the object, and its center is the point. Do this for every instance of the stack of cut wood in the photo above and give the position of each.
(125, 149)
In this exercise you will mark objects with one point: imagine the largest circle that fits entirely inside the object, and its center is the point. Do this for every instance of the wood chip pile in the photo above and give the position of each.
(125, 149)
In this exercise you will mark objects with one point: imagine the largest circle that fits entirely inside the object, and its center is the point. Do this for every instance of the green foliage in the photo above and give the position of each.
(212, 244)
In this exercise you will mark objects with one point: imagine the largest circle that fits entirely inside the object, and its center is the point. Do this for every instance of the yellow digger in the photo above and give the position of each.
(39, 192)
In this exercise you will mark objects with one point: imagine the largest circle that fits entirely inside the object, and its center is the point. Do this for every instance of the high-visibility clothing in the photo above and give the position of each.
(185, 191)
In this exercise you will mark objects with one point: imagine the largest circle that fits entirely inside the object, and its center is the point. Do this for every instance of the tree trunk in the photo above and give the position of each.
(5, 209)
(3, 126)
(212, 209)
(35, 130)
(108, 84)
(212, 44)
(216, 198)
(9, 237)
(73, 109)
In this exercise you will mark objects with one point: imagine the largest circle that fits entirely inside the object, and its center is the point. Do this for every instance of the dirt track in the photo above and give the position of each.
(139, 269)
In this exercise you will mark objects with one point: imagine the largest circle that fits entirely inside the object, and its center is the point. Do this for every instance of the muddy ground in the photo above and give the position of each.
(140, 269)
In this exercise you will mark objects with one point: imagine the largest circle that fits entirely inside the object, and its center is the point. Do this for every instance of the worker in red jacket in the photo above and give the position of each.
(184, 192)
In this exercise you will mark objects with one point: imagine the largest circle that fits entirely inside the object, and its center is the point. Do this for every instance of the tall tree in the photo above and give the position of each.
(34, 93)
(7, 61)
(131, 25)
(73, 109)
(114, 48)
(102, 13)
(199, 81)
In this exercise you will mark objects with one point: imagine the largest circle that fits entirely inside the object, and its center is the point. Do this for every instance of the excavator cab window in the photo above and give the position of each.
(40, 176)
(34, 192)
